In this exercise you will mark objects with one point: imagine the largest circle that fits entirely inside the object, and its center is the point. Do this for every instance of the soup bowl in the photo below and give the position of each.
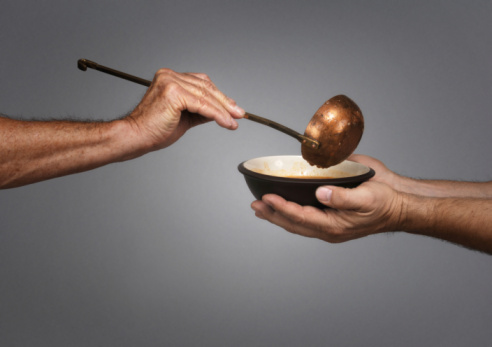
(294, 179)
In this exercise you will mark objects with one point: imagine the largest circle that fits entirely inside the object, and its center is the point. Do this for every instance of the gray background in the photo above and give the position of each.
(165, 250)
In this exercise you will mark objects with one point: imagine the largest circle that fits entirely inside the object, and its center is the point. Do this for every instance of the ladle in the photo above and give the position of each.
(330, 137)
(338, 126)
(83, 64)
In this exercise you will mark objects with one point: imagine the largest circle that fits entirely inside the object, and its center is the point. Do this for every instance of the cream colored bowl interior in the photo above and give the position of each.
(295, 165)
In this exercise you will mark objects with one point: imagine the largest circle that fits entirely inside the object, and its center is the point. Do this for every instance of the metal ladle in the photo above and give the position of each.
(330, 137)
(338, 126)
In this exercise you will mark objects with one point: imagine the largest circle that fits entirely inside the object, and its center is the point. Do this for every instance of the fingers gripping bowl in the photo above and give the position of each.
(295, 180)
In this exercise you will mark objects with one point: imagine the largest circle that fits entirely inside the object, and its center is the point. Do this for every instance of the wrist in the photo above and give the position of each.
(417, 213)
(126, 142)
(405, 184)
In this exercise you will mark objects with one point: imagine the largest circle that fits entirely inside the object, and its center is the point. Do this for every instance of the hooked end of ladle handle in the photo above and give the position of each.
(83, 64)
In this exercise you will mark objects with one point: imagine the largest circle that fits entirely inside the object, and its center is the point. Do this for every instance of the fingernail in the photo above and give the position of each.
(268, 203)
(324, 194)
(257, 212)
(239, 111)
(228, 121)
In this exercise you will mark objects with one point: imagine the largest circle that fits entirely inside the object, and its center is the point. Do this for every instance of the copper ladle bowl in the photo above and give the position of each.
(338, 126)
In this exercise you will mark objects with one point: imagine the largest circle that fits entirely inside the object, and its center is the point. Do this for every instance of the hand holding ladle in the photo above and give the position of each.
(330, 137)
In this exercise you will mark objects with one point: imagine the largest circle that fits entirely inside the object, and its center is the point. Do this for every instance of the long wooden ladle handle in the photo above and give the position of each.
(83, 64)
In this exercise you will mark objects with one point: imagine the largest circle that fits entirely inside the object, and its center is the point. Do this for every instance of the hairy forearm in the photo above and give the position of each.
(32, 151)
(444, 188)
(464, 221)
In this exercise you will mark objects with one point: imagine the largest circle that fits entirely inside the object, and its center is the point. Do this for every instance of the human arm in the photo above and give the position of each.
(431, 188)
(32, 151)
(375, 207)
(464, 221)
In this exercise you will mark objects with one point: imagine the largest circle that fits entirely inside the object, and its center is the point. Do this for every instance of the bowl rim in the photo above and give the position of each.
(342, 180)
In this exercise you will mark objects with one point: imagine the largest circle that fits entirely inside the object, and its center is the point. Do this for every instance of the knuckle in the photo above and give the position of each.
(162, 76)
(171, 94)
(208, 84)
(232, 102)
(171, 89)
(201, 104)
(299, 219)
(204, 76)
(164, 71)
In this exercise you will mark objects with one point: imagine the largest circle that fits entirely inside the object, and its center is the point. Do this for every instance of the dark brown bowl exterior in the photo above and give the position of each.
(300, 191)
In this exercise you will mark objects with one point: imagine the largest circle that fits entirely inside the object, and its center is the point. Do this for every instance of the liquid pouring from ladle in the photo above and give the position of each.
(320, 153)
